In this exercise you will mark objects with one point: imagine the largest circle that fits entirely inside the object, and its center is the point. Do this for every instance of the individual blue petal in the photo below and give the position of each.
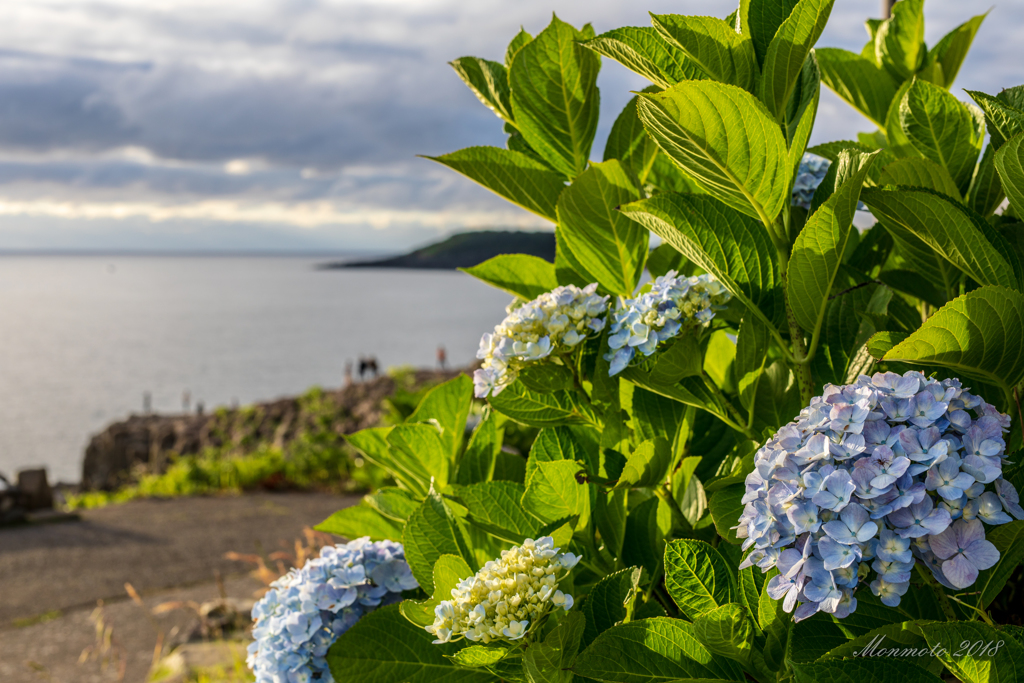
(1009, 497)
(835, 555)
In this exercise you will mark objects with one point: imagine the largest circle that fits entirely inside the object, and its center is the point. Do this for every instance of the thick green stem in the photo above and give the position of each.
(800, 357)
(582, 393)
(738, 422)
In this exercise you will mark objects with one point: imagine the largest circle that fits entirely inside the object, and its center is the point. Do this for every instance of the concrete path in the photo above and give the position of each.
(153, 544)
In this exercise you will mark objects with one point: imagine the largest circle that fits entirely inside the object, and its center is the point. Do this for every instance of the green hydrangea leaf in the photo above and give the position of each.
(971, 651)
(433, 531)
(496, 507)
(646, 465)
(605, 604)
(1009, 161)
(521, 275)
(726, 631)
(361, 520)
(392, 502)
(899, 41)
(553, 493)
(549, 660)
(867, 87)
(986, 193)
(518, 42)
(862, 671)
(940, 127)
(407, 470)
(818, 250)
(713, 45)
(643, 50)
(448, 571)
(920, 172)
(423, 443)
(787, 51)
(489, 82)
(978, 335)
(516, 176)
(761, 19)
(725, 507)
(475, 656)
(697, 577)
(951, 49)
(447, 405)
(538, 409)
(724, 139)
(658, 650)
(478, 462)
(949, 228)
(1003, 120)
(609, 245)
(629, 143)
(555, 101)
(384, 647)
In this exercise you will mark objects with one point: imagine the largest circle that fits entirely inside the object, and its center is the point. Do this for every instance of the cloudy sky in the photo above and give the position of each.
(294, 124)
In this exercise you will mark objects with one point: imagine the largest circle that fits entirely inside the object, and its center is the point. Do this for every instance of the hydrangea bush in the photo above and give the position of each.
(306, 610)
(766, 455)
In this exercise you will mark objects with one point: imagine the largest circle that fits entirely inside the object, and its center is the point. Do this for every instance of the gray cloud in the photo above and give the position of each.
(309, 101)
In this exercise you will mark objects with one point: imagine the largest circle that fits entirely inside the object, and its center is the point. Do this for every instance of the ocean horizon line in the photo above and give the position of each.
(201, 253)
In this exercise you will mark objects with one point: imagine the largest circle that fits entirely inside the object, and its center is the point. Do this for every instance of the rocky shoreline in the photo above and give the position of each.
(144, 444)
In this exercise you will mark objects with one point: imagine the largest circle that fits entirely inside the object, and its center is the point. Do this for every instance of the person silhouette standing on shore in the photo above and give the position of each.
(442, 358)
(348, 373)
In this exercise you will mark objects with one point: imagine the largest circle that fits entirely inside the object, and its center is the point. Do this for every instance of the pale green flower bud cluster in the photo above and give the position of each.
(503, 599)
(552, 324)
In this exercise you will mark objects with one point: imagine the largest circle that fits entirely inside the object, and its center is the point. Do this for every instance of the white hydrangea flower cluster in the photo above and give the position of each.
(501, 600)
(669, 306)
(810, 174)
(892, 469)
(306, 610)
(553, 323)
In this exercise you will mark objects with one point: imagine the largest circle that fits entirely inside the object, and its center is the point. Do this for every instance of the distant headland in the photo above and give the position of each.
(464, 250)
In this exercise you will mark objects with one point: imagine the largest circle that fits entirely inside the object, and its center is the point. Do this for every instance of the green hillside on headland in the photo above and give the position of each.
(465, 249)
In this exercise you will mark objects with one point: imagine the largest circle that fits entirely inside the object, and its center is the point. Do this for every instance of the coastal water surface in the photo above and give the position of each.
(82, 338)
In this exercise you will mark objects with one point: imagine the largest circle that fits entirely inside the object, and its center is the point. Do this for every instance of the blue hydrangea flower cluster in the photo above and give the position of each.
(659, 313)
(875, 476)
(306, 610)
(552, 324)
(810, 174)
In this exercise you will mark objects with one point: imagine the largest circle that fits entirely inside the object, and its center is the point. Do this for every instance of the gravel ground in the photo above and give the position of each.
(155, 545)
(51, 651)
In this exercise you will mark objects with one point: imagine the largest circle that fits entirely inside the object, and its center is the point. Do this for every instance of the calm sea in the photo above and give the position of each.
(82, 338)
